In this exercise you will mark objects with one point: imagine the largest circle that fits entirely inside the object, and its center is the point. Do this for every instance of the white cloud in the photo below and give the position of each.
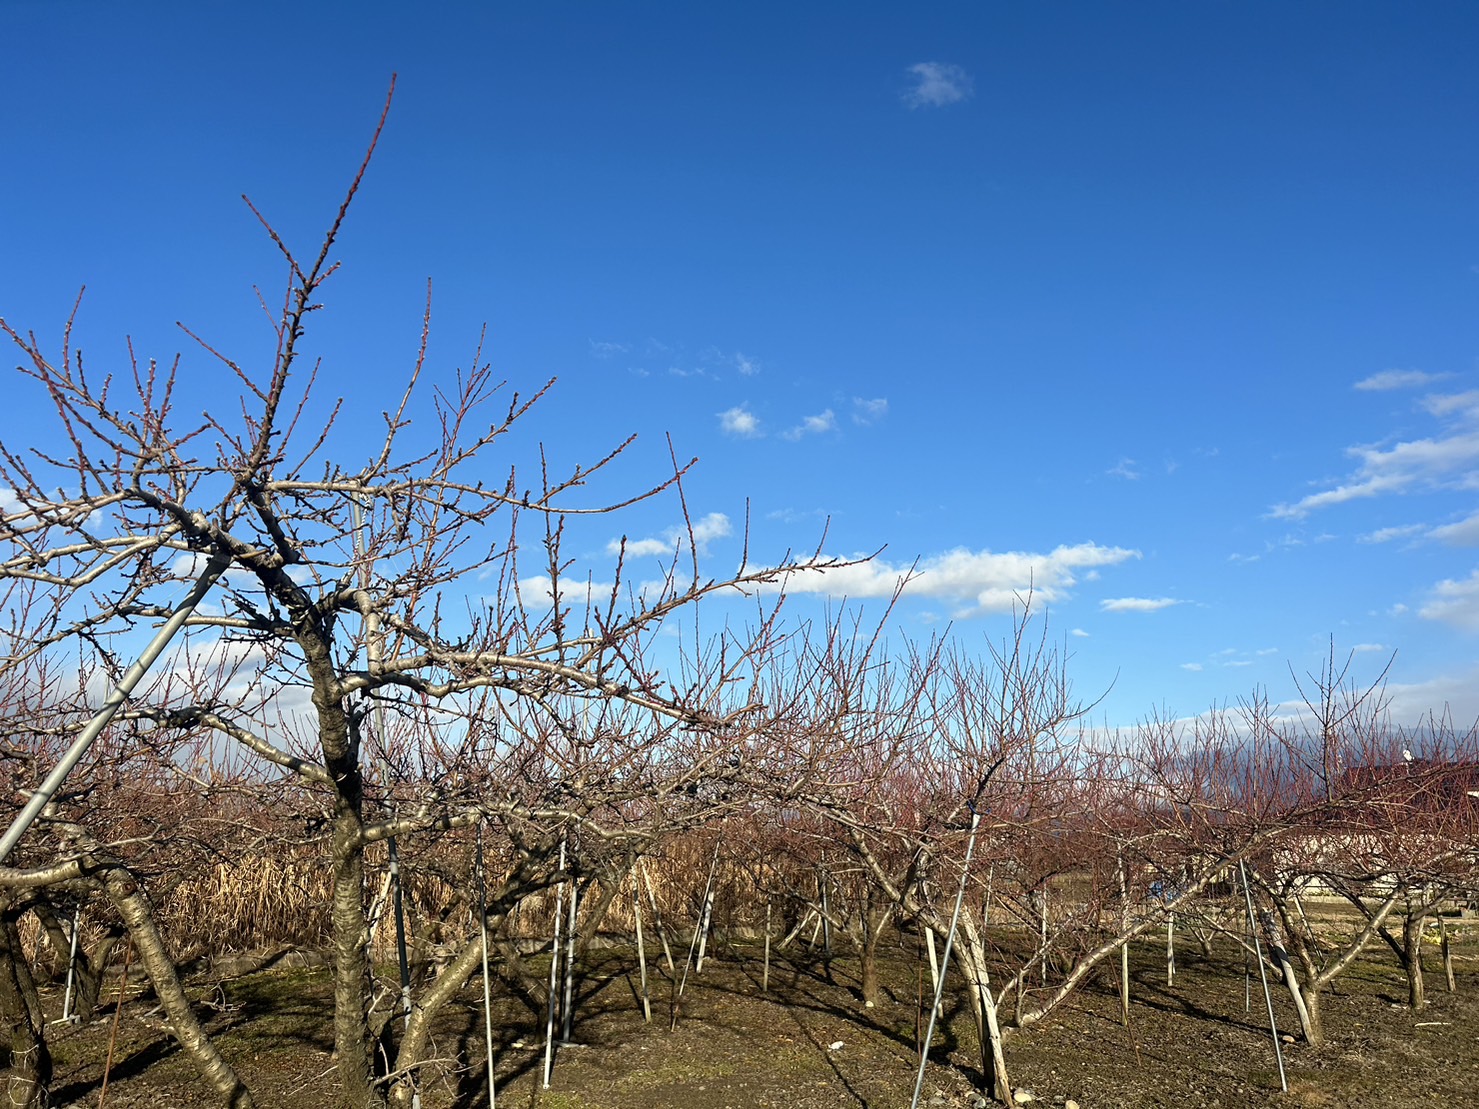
(713, 526)
(746, 365)
(1339, 495)
(1124, 468)
(1137, 604)
(812, 425)
(936, 84)
(979, 581)
(1397, 379)
(1449, 458)
(1194, 667)
(1385, 535)
(866, 411)
(797, 515)
(1446, 404)
(1079, 633)
(601, 349)
(740, 422)
(1410, 702)
(573, 591)
(1367, 648)
(1461, 533)
(1454, 602)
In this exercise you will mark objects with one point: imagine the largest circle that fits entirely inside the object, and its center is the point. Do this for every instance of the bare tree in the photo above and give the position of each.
(526, 694)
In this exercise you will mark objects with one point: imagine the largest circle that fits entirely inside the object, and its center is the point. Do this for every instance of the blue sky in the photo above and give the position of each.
(1168, 309)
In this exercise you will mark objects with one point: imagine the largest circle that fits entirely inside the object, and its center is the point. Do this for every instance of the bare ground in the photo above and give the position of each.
(809, 1042)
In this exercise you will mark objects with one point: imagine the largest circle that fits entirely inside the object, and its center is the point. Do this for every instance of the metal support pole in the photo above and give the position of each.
(929, 1034)
(571, 935)
(554, 976)
(71, 964)
(167, 631)
(1268, 998)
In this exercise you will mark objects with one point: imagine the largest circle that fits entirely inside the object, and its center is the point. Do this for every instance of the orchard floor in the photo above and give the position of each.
(809, 1043)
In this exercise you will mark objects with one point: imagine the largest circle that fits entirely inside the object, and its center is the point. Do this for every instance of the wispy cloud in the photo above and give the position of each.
(1137, 604)
(1448, 404)
(1079, 633)
(935, 84)
(1398, 379)
(812, 425)
(868, 411)
(1448, 458)
(1194, 667)
(1460, 533)
(1386, 535)
(713, 526)
(979, 582)
(1124, 468)
(601, 349)
(739, 422)
(796, 515)
(746, 365)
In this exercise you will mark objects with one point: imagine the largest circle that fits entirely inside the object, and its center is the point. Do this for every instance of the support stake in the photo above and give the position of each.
(1268, 998)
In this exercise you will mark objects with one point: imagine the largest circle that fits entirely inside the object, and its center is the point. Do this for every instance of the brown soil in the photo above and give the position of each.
(809, 1043)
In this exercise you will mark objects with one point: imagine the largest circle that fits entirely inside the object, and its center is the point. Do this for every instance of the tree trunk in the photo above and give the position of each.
(1306, 1005)
(1312, 1016)
(875, 921)
(1412, 946)
(418, 1029)
(869, 974)
(30, 1060)
(354, 1040)
(978, 982)
(133, 905)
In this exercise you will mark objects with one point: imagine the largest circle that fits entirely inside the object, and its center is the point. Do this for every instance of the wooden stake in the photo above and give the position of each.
(1447, 953)
(117, 1013)
(706, 918)
(1170, 949)
(929, 943)
(662, 934)
(765, 974)
(707, 912)
(1043, 950)
(826, 925)
(986, 905)
(1124, 947)
(919, 1012)
(487, 993)
(641, 949)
